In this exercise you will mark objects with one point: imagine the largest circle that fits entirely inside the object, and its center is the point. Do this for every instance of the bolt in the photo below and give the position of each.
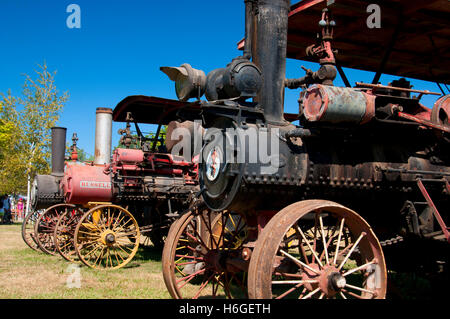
(337, 281)
(110, 238)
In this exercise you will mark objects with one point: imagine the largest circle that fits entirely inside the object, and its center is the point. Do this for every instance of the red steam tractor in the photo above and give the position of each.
(107, 205)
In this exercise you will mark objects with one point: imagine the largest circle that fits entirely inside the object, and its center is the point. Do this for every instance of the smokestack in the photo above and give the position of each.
(58, 150)
(248, 29)
(103, 132)
(269, 43)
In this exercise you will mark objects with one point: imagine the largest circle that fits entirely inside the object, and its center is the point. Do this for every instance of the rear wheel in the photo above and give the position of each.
(45, 227)
(64, 233)
(317, 249)
(28, 235)
(107, 237)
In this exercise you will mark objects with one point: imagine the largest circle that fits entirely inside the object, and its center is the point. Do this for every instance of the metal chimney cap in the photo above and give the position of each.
(104, 110)
(59, 127)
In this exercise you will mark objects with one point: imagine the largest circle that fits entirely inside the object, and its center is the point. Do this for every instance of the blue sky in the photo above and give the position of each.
(119, 48)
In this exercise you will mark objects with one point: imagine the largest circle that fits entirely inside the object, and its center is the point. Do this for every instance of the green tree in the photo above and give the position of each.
(27, 150)
(83, 156)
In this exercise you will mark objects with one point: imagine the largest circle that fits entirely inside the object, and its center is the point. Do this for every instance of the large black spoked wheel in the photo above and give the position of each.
(317, 249)
(45, 227)
(197, 254)
(65, 231)
(107, 237)
(28, 235)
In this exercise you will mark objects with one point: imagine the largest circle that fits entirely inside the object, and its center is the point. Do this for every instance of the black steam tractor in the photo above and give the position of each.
(321, 209)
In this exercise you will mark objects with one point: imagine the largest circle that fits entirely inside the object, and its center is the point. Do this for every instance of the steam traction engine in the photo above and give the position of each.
(110, 203)
(296, 223)
(45, 193)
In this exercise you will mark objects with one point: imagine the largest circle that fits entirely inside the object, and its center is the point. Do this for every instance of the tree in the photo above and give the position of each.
(136, 142)
(83, 156)
(25, 124)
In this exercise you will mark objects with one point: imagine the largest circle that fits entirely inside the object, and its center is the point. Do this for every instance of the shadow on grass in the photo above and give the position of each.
(148, 253)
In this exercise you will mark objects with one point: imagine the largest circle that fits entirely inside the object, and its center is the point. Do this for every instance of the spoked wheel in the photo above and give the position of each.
(317, 249)
(45, 227)
(65, 231)
(28, 229)
(196, 254)
(107, 237)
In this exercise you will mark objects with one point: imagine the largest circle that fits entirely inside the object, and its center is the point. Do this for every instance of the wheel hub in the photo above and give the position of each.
(108, 237)
(336, 281)
(328, 279)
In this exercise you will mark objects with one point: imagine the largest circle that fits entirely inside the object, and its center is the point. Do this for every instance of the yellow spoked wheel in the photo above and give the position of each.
(107, 237)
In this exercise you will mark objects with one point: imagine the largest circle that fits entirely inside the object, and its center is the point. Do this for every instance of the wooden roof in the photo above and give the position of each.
(421, 48)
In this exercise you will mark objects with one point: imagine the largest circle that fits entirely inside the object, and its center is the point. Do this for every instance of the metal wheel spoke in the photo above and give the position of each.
(338, 241)
(359, 268)
(298, 262)
(324, 240)
(351, 250)
(309, 246)
(312, 293)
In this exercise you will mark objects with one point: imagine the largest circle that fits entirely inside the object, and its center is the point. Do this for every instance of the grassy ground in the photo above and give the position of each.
(25, 273)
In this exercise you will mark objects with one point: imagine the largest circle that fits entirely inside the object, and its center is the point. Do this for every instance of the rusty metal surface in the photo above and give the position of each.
(271, 258)
(435, 211)
(336, 105)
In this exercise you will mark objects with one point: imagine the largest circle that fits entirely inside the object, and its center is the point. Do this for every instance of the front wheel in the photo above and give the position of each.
(317, 249)
(196, 252)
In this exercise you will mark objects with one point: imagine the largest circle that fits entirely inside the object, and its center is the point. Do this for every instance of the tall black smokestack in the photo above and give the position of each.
(269, 43)
(248, 29)
(58, 150)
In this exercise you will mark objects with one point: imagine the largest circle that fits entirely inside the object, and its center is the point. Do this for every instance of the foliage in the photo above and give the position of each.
(25, 135)
(83, 156)
(149, 138)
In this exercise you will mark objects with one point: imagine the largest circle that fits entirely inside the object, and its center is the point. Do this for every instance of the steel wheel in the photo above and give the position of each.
(317, 249)
(195, 253)
(107, 237)
(45, 227)
(28, 235)
(65, 231)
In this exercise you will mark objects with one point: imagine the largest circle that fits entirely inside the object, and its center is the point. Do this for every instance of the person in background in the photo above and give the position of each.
(2, 211)
(7, 210)
(20, 208)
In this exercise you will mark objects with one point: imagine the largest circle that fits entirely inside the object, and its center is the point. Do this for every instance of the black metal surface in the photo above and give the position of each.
(58, 150)
(269, 54)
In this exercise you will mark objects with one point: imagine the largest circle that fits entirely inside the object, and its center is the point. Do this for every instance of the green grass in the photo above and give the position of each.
(25, 273)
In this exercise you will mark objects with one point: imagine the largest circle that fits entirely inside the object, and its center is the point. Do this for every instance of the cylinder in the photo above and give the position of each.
(58, 150)
(103, 133)
(324, 103)
(269, 54)
(126, 155)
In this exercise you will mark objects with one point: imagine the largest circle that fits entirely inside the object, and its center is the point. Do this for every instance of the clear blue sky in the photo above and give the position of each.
(120, 47)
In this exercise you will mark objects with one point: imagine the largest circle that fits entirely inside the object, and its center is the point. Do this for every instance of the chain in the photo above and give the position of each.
(388, 242)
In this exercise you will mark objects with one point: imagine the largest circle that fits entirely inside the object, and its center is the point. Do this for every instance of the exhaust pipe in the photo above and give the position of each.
(103, 132)
(58, 150)
(269, 45)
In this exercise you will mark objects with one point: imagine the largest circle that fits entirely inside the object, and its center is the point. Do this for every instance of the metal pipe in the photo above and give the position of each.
(58, 150)
(103, 133)
(248, 29)
(269, 54)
